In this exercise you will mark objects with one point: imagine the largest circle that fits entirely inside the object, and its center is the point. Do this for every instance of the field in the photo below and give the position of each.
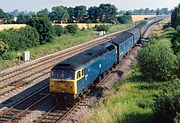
(9, 26)
(141, 17)
(80, 25)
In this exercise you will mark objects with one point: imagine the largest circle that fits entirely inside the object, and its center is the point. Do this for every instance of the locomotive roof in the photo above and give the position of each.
(121, 38)
(134, 30)
(142, 24)
(81, 59)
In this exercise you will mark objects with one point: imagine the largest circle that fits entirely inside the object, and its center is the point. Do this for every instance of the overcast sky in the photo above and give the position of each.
(36, 5)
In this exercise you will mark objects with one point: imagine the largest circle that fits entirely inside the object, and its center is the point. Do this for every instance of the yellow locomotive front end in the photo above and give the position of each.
(63, 82)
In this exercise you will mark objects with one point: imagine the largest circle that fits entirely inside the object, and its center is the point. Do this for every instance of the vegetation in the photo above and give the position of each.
(102, 28)
(43, 26)
(176, 40)
(157, 61)
(58, 30)
(72, 29)
(166, 107)
(126, 18)
(175, 16)
(20, 39)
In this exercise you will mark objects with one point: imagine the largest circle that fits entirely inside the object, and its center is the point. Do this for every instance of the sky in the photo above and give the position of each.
(36, 5)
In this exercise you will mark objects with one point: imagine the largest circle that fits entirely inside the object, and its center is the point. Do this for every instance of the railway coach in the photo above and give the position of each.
(70, 78)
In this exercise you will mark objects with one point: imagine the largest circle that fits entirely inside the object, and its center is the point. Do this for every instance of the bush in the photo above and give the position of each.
(126, 18)
(3, 47)
(167, 105)
(58, 30)
(43, 26)
(157, 62)
(73, 29)
(176, 40)
(101, 28)
(20, 39)
(8, 56)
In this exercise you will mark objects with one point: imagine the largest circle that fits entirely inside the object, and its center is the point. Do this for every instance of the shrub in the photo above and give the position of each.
(8, 56)
(73, 29)
(20, 39)
(31, 34)
(157, 62)
(43, 26)
(167, 105)
(101, 28)
(126, 18)
(176, 40)
(3, 47)
(58, 30)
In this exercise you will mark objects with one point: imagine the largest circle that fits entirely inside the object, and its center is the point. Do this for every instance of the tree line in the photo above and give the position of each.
(148, 11)
(102, 13)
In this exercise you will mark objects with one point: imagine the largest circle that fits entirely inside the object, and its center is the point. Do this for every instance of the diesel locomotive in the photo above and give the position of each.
(73, 76)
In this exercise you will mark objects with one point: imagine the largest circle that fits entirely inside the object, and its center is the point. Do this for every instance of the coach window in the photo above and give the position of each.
(78, 74)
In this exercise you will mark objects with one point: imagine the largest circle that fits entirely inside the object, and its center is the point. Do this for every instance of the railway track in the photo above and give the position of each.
(23, 107)
(29, 72)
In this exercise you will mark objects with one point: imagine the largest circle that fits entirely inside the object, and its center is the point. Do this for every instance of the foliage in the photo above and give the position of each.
(175, 16)
(8, 56)
(43, 26)
(22, 19)
(71, 14)
(59, 13)
(126, 18)
(92, 13)
(176, 40)
(157, 61)
(167, 104)
(73, 29)
(3, 47)
(102, 28)
(21, 39)
(80, 13)
(58, 30)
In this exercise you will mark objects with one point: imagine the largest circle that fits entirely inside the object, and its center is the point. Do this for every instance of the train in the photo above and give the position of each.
(72, 77)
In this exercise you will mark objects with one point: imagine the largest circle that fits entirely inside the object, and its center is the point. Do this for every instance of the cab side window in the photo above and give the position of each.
(78, 74)
(82, 72)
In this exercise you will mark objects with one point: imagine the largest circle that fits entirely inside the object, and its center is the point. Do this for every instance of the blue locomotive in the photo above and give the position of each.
(72, 77)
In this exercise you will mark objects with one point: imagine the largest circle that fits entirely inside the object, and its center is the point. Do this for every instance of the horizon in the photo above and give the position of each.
(33, 5)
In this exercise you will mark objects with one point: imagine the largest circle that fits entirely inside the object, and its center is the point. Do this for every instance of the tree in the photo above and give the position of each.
(126, 18)
(22, 19)
(146, 11)
(92, 13)
(175, 16)
(2, 14)
(59, 13)
(44, 12)
(80, 13)
(106, 13)
(157, 62)
(43, 26)
(71, 14)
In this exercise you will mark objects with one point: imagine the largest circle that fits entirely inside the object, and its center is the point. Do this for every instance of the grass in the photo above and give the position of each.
(62, 42)
(129, 102)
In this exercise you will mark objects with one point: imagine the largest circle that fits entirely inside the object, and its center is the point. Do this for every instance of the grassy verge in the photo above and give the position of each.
(63, 42)
(129, 102)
